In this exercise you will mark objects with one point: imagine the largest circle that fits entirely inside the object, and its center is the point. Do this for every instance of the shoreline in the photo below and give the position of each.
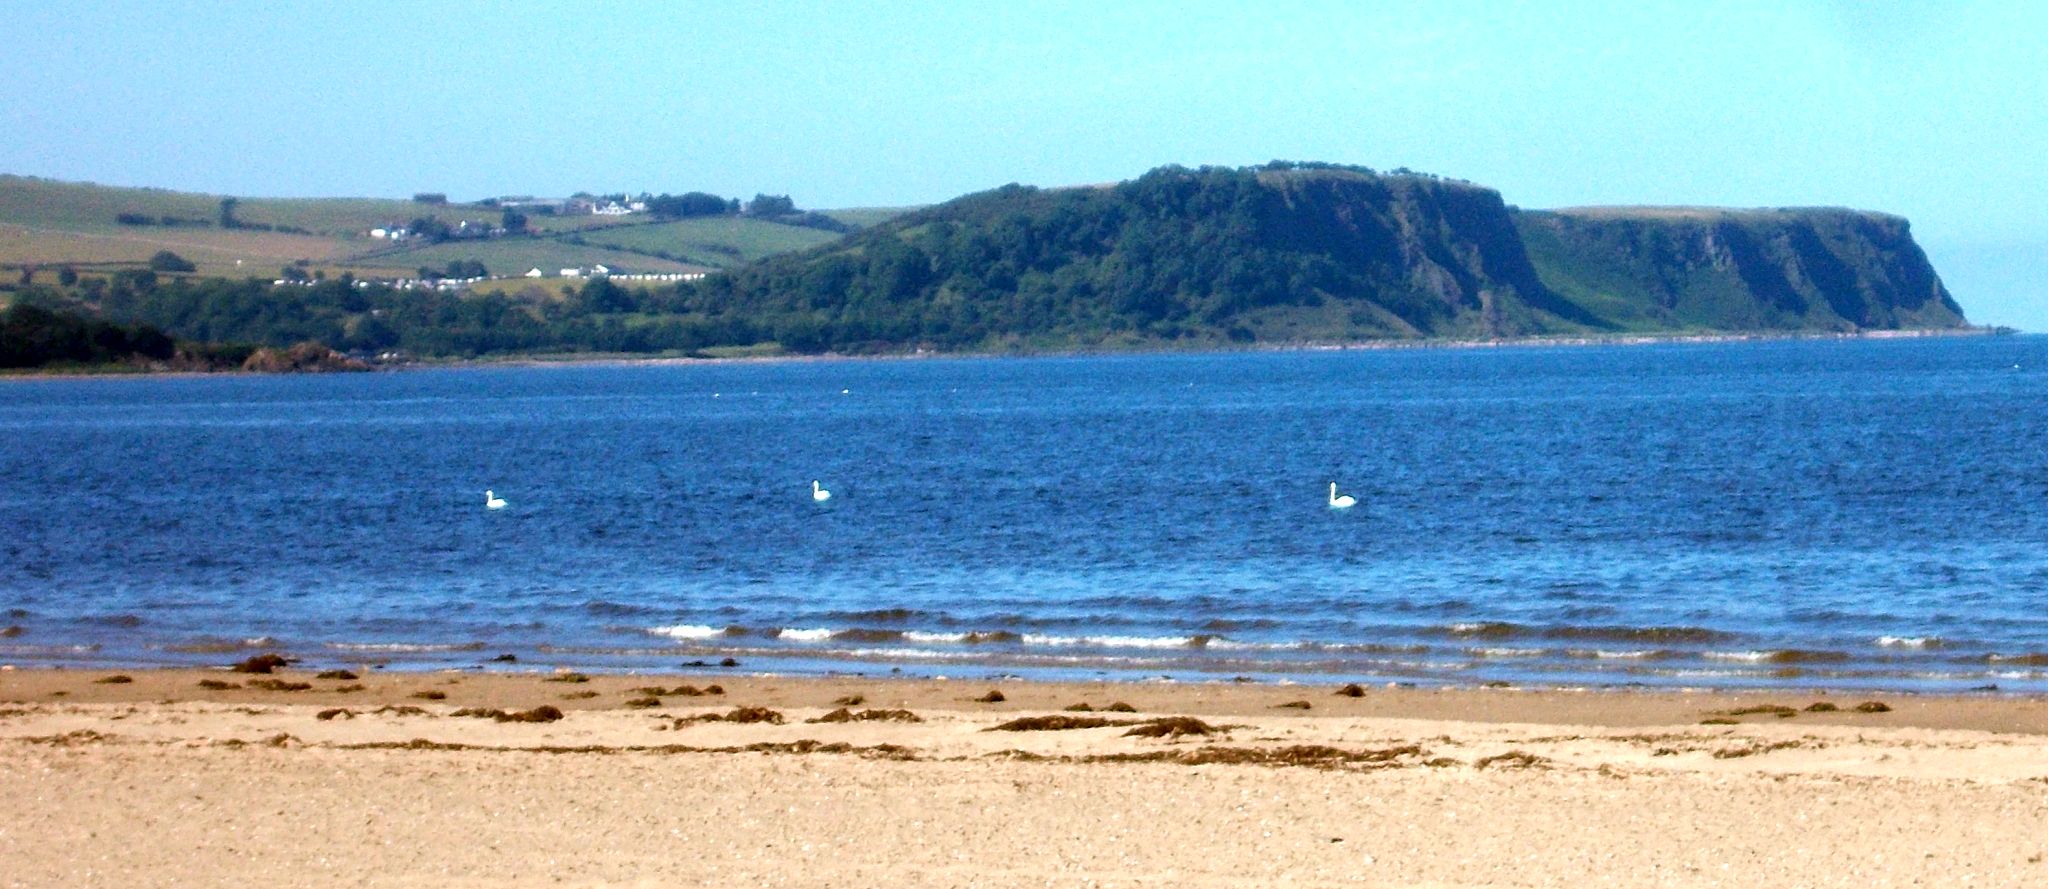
(460, 780)
(572, 691)
(574, 360)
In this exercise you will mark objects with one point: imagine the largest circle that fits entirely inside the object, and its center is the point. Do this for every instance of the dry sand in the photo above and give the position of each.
(160, 782)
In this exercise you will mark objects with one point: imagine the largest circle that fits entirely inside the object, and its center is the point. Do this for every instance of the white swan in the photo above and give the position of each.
(493, 501)
(819, 494)
(1344, 501)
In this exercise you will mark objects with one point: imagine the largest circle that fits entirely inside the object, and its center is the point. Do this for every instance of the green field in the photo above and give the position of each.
(511, 257)
(47, 223)
(716, 241)
(862, 217)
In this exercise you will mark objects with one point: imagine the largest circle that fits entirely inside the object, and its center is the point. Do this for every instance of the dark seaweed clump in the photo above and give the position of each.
(686, 691)
(262, 663)
(1056, 723)
(279, 685)
(1351, 690)
(739, 714)
(1778, 710)
(336, 674)
(1873, 707)
(1171, 727)
(542, 713)
(994, 696)
(116, 679)
(844, 715)
(1513, 759)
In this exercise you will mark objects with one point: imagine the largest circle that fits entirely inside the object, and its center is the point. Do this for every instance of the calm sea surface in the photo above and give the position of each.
(1843, 513)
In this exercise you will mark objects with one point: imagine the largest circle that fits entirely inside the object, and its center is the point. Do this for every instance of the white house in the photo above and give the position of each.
(572, 273)
(533, 272)
(600, 270)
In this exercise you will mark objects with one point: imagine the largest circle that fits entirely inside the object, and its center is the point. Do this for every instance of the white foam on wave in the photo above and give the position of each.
(1747, 657)
(1603, 654)
(810, 635)
(687, 631)
(1505, 652)
(405, 647)
(1907, 641)
(1111, 641)
(1223, 644)
(922, 637)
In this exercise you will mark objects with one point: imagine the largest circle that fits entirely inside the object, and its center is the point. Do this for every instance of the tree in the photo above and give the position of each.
(513, 221)
(429, 197)
(688, 205)
(166, 261)
(429, 227)
(67, 276)
(227, 213)
(768, 205)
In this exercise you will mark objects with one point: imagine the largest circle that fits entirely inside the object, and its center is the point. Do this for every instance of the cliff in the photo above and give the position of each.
(1314, 252)
(1706, 269)
(1276, 253)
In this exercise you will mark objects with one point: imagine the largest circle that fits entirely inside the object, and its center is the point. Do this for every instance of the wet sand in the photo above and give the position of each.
(160, 781)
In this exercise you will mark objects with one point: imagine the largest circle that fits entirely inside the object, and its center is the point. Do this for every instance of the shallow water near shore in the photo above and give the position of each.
(1866, 514)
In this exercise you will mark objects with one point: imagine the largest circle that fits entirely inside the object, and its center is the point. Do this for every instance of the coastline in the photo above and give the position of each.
(160, 781)
(574, 360)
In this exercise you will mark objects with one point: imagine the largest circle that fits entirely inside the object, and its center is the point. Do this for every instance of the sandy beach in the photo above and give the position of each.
(462, 779)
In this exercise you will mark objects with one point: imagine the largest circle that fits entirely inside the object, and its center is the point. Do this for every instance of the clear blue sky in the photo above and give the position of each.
(1935, 111)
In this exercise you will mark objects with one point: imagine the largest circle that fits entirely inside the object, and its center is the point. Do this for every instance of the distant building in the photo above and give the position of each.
(533, 272)
(600, 270)
(572, 273)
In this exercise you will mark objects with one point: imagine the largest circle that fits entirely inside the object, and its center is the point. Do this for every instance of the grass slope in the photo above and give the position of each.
(513, 256)
(711, 241)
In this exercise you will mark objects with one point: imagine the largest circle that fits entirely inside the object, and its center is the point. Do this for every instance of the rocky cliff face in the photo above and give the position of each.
(1312, 252)
(1821, 269)
(1450, 242)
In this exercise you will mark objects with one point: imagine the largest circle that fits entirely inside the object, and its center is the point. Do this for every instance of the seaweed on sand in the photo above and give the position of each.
(1172, 727)
(1513, 759)
(845, 715)
(262, 663)
(542, 713)
(281, 685)
(1057, 723)
(742, 715)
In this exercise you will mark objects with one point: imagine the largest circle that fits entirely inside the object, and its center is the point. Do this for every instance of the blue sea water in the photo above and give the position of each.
(1864, 513)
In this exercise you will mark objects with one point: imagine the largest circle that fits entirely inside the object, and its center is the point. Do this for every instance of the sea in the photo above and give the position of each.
(1852, 513)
